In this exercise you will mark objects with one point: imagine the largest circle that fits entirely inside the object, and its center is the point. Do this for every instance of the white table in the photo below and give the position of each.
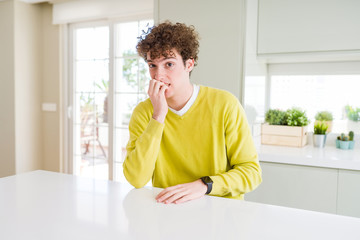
(45, 205)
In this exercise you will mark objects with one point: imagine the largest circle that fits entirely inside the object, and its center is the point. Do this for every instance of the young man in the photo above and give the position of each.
(191, 140)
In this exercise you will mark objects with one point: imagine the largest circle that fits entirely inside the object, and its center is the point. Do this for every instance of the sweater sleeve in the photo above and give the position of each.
(245, 172)
(142, 149)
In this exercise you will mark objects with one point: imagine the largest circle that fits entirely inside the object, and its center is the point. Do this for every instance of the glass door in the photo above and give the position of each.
(108, 80)
(90, 100)
(131, 84)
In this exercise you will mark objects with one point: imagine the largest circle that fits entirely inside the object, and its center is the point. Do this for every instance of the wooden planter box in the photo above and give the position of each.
(283, 135)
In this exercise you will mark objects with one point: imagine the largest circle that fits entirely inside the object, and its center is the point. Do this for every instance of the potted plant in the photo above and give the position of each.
(275, 117)
(345, 141)
(296, 117)
(286, 128)
(319, 136)
(353, 115)
(351, 140)
(326, 117)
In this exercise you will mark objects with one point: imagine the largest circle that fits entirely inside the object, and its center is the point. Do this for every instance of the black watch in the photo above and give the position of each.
(208, 182)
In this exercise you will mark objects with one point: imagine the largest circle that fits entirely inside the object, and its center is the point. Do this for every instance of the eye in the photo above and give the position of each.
(169, 64)
(152, 65)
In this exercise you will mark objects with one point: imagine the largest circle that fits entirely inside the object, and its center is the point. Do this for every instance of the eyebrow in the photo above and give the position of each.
(149, 60)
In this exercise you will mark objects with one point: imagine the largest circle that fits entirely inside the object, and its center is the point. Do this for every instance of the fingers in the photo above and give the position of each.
(182, 192)
(158, 99)
(183, 199)
(163, 89)
(155, 87)
(170, 194)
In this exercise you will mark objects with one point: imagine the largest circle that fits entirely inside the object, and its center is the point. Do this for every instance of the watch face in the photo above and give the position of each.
(207, 179)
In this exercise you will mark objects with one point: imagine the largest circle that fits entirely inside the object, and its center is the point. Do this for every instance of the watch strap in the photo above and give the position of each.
(208, 182)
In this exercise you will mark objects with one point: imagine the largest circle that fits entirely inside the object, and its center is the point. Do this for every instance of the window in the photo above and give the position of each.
(315, 93)
(313, 87)
(108, 81)
(255, 98)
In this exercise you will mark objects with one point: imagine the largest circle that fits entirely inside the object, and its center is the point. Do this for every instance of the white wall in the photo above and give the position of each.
(51, 91)
(28, 88)
(28, 46)
(221, 26)
(7, 90)
(253, 66)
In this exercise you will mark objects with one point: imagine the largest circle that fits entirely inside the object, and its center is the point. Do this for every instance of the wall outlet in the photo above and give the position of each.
(49, 107)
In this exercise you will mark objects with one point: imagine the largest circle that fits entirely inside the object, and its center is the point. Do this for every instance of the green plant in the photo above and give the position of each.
(343, 137)
(324, 116)
(104, 86)
(351, 136)
(135, 72)
(352, 113)
(296, 117)
(320, 128)
(275, 117)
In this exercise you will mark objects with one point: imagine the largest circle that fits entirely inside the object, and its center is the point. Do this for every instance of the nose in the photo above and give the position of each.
(159, 74)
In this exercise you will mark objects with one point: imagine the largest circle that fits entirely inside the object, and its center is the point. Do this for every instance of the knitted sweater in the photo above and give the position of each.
(211, 139)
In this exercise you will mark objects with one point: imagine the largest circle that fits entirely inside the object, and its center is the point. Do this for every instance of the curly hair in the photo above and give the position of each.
(161, 39)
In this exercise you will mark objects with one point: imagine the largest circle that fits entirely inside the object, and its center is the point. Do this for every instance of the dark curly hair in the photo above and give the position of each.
(161, 39)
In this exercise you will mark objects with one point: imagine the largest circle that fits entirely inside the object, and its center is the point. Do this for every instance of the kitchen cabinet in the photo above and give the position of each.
(295, 186)
(328, 190)
(307, 26)
(349, 193)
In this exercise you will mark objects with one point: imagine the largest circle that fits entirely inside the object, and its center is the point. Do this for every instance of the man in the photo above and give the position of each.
(203, 145)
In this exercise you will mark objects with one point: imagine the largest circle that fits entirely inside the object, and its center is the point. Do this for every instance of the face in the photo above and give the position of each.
(171, 71)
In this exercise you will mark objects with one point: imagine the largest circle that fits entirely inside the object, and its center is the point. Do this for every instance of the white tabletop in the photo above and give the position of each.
(45, 205)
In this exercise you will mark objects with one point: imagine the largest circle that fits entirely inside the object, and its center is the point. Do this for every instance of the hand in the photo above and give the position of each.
(157, 96)
(182, 192)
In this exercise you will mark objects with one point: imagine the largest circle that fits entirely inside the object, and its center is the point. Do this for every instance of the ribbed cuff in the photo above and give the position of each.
(216, 187)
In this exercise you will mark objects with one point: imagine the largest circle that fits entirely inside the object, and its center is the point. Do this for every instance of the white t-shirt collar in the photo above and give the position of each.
(191, 101)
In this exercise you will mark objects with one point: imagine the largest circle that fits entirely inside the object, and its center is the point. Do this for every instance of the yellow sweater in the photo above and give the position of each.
(211, 139)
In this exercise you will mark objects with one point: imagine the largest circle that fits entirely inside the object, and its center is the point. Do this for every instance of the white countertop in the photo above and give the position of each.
(44, 205)
(328, 157)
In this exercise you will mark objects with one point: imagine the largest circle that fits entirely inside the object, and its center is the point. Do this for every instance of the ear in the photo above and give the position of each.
(189, 64)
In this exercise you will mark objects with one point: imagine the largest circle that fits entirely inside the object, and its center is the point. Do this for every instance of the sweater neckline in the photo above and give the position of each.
(193, 106)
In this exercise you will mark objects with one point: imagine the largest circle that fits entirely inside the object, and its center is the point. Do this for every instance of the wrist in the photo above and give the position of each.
(208, 182)
(160, 119)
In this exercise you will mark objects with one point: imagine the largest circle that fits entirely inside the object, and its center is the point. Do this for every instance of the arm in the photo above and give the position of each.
(142, 149)
(245, 173)
(145, 137)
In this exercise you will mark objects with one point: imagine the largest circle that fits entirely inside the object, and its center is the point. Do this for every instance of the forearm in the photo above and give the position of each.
(242, 178)
(142, 153)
